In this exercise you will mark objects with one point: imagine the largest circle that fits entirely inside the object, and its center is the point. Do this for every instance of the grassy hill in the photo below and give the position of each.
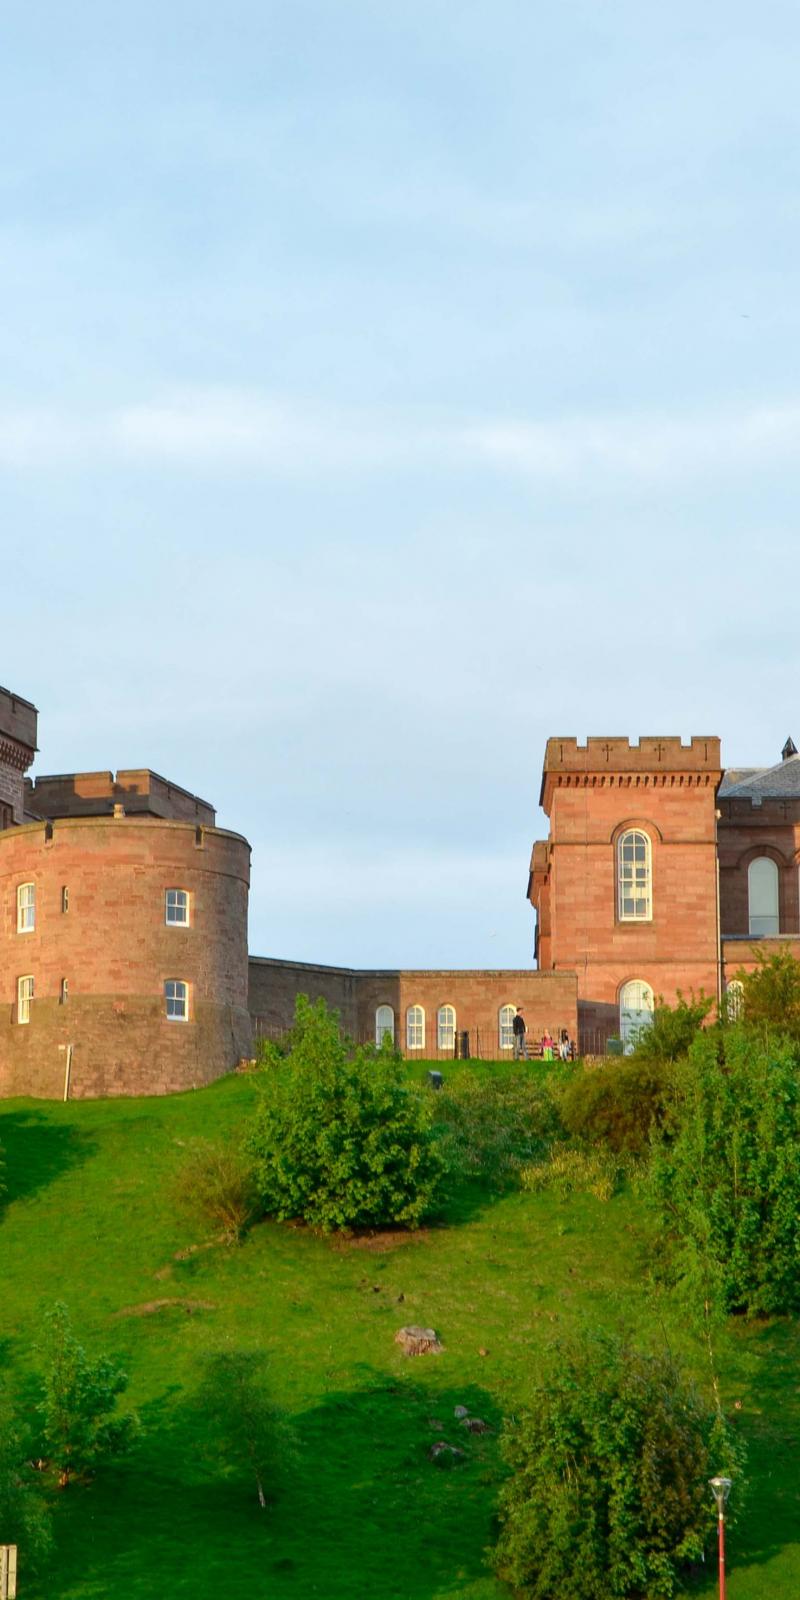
(361, 1511)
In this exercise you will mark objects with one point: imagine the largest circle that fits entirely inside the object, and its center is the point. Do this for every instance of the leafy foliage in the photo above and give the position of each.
(340, 1138)
(217, 1181)
(567, 1171)
(24, 1519)
(80, 1398)
(608, 1493)
(726, 1183)
(673, 1028)
(250, 1433)
(771, 994)
(493, 1125)
(617, 1104)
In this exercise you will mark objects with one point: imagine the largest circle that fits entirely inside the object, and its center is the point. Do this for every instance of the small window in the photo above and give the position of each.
(734, 999)
(507, 1014)
(26, 908)
(178, 908)
(634, 877)
(65, 898)
(762, 897)
(64, 991)
(446, 1029)
(384, 1025)
(176, 997)
(415, 1028)
(24, 998)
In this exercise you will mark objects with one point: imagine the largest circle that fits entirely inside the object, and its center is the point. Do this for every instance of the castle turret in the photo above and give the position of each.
(18, 719)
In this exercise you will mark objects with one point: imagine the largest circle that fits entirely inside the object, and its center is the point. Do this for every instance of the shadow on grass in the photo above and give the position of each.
(360, 1509)
(36, 1151)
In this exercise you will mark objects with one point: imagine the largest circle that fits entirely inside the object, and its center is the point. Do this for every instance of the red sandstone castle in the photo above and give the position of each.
(124, 966)
(661, 872)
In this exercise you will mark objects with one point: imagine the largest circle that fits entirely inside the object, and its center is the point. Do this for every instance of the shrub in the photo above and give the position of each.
(568, 1171)
(617, 1104)
(80, 1399)
(608, 1493)
(218, 1182)
(24, 1519)
(771, 994)
(340, 1138)
(492, 1125)
(673, 1028)
(726, 1186)
(249, 1432)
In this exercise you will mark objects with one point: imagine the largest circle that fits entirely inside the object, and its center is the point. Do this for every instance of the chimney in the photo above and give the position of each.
(789, 749)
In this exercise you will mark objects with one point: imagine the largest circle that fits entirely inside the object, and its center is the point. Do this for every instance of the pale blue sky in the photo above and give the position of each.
(384, 387)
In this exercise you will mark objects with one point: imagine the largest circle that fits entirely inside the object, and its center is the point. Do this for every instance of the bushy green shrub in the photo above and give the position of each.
(341, 1138)
(673, 1028)
(217, 1183)
(617, 1104)
(568, 1171)
(726, 1183)
(771, 994)
(24, 1518)
(493, 1124)
(608, 1492)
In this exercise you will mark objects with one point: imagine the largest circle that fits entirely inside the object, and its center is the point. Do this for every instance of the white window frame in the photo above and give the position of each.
(445, 1028)
(176, 904)
(26, 907)
(176, 994)
(734, 999)
(644, 1010)
(25, 988)
(415, 1027)
(384, 1024)
(762, 924)
(635, 875)
(505, 1026)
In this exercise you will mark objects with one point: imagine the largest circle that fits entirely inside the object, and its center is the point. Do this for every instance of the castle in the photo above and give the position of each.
(124, 965)
(661, 872)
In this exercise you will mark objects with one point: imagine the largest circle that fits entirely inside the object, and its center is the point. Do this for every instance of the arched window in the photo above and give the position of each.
(446, 1028)
(762, 897)
(384, 1024)
(507, 1014)
(415, 1028)
(734, 999)
(634, 877)
(635, 1011)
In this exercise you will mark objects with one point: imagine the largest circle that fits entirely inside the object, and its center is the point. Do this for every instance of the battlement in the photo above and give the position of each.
(93, 794)
(18, 720)
(610, 754)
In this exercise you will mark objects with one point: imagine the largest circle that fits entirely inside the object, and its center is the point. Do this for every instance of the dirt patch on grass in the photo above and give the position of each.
(149, 1308)
(378, 1240)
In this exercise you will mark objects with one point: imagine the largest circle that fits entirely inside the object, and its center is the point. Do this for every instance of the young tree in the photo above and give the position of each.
(80, 1399)
(250, 1432)
(673, 1028)
(771, 994)
(341, 1138)
(608, 1492)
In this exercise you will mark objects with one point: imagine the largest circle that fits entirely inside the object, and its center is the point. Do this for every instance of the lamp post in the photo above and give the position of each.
(721, 1488)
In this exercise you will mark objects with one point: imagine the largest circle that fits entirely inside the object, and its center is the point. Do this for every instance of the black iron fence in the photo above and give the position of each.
(480, 1043)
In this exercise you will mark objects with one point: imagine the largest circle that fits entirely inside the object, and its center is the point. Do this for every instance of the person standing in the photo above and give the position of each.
(520, 1036)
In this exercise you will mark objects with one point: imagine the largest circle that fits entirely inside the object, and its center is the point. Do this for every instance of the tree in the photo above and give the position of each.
(250, 1432)
(673, 1028)
(80, 1399)
(771, 994)
(725, 1176)
(608, 1493)
(341, 1138)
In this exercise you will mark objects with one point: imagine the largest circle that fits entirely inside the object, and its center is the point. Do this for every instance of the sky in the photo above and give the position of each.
(385, 386)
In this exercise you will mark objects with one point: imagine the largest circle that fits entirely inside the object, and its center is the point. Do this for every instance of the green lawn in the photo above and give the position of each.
(362, 1512)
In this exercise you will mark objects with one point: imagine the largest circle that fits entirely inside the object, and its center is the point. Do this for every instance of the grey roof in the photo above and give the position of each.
(781, 782)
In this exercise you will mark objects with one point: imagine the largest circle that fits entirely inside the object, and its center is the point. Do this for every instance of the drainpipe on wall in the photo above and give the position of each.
(67, 1067)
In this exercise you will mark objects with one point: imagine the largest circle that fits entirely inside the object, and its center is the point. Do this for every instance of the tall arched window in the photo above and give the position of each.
(415, 1028)
(446, 1028)
(507, 1014)
(635, 1011)
(762, 897)
(734, 999)
(384, 1024)
(634, 877)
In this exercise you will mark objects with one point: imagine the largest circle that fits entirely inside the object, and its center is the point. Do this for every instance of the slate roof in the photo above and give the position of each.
(781, 782)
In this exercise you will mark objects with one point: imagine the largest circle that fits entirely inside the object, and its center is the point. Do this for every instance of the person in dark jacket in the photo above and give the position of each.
(520, 1036)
